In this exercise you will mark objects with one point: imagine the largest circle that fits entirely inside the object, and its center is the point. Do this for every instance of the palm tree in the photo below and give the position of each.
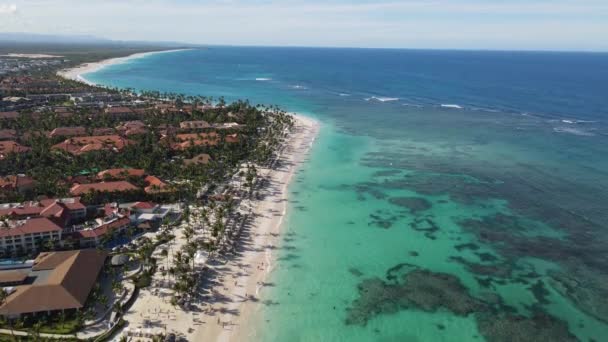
(103, 300)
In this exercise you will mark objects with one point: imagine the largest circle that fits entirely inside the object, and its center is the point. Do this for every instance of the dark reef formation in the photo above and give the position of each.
(537, 198)
(416, 289)
(512, 328)
(408, 287)
(414, 204)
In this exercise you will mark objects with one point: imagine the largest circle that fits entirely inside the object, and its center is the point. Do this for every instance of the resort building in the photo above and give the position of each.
(119, 112)
(94, 236)
(185, 141)
(148, 212)
(80, 145)
(8, 134)
(132, 128)
(9, 115)
(154, 185)
(20, 236)
(68, 132)
(194, 124)
(52, 208)
(9, 146)
(121, 173)
(56, 282)
(103, 131)
(228, 125)
(63, 112)
(18, 183)
(118, 186)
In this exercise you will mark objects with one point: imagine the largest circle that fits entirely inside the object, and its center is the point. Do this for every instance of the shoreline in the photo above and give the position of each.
(76, 73)
(236, 279)
(228, 300)
(242, 293)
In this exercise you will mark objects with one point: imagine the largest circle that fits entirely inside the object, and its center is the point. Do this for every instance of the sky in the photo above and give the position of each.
(443, 24)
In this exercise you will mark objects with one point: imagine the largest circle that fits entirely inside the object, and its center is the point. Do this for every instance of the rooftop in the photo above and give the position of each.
(29, 226)
(62, 280)
(121, 173)
(79, 145)
(118, 186)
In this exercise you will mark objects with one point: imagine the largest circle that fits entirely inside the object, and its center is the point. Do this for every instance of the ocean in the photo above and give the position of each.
(450, 195)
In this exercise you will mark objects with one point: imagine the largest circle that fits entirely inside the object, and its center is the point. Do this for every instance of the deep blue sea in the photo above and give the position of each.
(450, 195)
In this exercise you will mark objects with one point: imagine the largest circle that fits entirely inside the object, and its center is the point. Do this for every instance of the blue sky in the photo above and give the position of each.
(460, 24)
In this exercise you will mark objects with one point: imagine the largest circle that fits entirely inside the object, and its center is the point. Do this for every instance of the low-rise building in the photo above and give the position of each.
(56, 281)
(121, 173)
(8, 134)
(21, 236)
(118, 186)
(94, 236)
(68, 209)
(200, 124)
(119, 112)
(19, 183)
(7, 147)
(187, 140)
(80, 145)
(68, 132)
(134, 127)
(9, 115)
(155, 185)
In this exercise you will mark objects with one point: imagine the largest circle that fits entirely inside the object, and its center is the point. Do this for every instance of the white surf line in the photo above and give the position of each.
(268, 251)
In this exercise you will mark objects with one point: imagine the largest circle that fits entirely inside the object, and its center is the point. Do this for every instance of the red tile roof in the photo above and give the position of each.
(194, 124)
(10, 146)
(119, 186)
(154, 185)
(8, 115)
(185, 141)
(8, 134)
(71, 276)
(34, 225)
(118, 110)
(144, 205)
(45, 207)
(104, 229)
(103, 131)
(79, 145)
(121, 173)
(232, 138)
(68, 132)
(13, 182)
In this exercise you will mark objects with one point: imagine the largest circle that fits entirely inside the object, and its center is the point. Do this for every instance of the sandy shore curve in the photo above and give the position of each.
(76, 73)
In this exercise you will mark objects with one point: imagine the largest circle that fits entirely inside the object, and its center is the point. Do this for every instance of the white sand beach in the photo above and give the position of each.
(230, 288)
(246, 273)
(77, 72)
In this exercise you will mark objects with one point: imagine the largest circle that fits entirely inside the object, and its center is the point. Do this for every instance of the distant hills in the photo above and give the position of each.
(36, 38)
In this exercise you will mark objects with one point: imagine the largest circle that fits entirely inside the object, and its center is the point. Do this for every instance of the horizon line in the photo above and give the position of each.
(105, 41)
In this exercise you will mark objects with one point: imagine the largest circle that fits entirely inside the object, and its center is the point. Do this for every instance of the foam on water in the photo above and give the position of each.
(382, 99)
(451, 106)
(575, 131)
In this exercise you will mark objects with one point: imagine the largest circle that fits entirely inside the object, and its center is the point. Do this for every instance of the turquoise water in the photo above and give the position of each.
(412, 221)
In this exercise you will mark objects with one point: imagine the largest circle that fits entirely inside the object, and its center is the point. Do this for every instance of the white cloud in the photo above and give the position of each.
(528, 24)
(8, 8)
